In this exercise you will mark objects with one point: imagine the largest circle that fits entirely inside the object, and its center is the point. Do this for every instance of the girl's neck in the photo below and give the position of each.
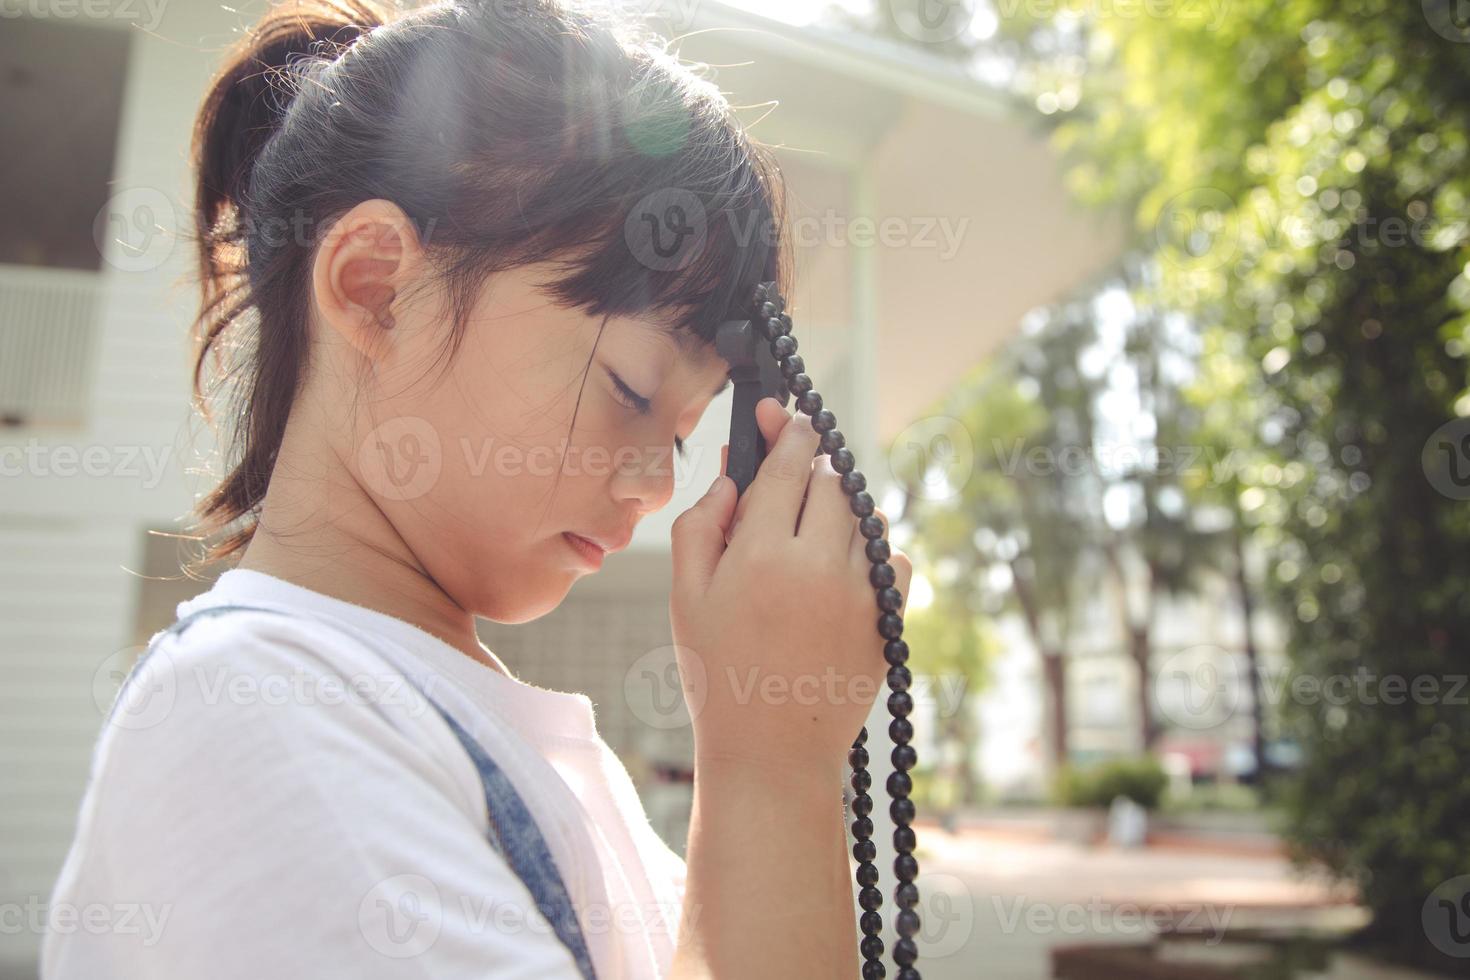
(320, 530)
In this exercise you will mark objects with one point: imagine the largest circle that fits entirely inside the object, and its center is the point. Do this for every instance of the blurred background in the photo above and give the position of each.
(1149, 320)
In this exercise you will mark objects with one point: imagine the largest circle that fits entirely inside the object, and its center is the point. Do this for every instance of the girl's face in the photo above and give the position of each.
(479, 467)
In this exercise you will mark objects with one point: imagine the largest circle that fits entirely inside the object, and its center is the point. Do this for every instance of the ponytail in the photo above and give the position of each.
(244, 107)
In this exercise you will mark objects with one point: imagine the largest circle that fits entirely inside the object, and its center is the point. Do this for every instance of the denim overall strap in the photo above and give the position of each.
(513, 832)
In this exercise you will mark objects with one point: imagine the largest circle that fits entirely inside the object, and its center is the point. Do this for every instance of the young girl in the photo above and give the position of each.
(440, 248)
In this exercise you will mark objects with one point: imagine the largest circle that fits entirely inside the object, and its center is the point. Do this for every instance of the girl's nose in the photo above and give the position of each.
(645, 477)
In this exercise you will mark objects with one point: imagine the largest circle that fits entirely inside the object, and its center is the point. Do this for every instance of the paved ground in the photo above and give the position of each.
(997, 900)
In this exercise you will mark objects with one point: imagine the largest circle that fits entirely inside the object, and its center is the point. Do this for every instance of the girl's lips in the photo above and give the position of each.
(589, 551)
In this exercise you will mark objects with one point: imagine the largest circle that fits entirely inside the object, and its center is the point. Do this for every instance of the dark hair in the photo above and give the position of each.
(509, 132)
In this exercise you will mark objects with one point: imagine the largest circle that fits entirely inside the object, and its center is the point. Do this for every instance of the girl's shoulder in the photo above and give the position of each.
(266, 775)
(241, 683)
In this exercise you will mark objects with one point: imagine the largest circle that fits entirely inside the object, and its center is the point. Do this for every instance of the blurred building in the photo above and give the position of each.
(928, 218)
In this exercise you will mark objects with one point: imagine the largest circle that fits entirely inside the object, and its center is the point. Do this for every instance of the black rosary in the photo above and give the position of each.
(754, 377)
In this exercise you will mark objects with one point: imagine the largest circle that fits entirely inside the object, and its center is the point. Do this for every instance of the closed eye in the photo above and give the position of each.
(638, 403)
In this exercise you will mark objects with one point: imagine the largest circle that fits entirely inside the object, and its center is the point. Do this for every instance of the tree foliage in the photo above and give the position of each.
(1298, 172)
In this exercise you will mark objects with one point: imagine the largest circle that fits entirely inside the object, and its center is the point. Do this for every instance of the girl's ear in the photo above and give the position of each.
(361, 269)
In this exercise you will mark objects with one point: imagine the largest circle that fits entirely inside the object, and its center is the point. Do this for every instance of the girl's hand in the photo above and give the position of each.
(776, 630)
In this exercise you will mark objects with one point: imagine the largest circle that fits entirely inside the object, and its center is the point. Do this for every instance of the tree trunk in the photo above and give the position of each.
(1053, 666)
(1252, 655)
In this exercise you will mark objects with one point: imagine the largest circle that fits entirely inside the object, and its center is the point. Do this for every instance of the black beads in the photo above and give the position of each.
(904, 757)
(878, 550)
(767, 312)
(905, 867)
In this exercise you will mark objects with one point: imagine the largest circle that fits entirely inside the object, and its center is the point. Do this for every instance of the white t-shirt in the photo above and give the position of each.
(272, 799)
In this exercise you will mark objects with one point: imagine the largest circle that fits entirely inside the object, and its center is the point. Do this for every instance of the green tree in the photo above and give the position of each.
(1297, 170)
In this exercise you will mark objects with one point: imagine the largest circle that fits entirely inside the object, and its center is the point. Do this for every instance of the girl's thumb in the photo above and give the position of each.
(699, 536)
